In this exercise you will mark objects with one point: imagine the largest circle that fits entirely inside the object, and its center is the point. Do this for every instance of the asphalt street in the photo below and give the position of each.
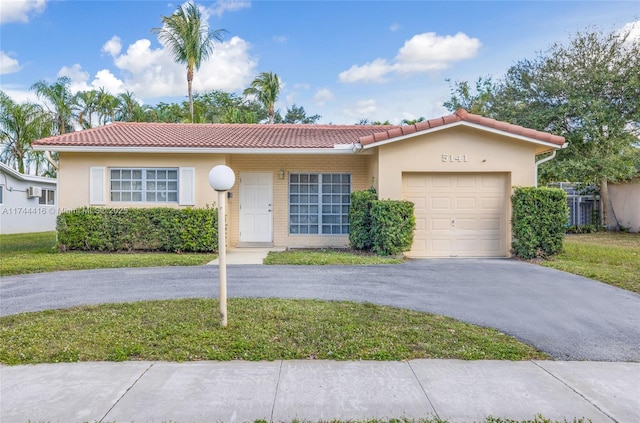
(567, 316)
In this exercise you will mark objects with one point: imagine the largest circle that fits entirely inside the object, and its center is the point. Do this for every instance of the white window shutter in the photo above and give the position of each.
(187, 189)
(97, 186)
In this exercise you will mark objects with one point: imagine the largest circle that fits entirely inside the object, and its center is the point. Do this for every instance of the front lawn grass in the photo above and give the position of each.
(609, 257)
(37, 252)
(327, 256)
(258, 329)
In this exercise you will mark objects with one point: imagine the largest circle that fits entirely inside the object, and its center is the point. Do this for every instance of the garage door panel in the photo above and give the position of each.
(458, 214)
(441, 203)
(466, 203)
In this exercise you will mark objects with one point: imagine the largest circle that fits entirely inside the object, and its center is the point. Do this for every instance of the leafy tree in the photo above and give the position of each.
(20, 124)
(266, 88)
(588, 91)
(188, 37)
(58, 100)
(296, 114)
(480, 101)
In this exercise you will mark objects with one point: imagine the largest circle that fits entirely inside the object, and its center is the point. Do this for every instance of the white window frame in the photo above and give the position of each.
(48, 197)
(319, 203)
(146, 195)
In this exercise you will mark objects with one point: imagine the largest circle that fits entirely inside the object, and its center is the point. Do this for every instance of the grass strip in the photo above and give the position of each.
(259, 329)
(329, 256)
(612, 258)
(37, 252)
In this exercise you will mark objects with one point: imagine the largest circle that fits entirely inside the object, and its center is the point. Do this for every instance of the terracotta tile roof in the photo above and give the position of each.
(123, 134)
(460, 116)
(242, 136)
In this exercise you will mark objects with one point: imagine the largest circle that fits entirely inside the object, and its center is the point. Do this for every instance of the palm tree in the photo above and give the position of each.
(59, 96)
(20, 124)
(128, 109)
(187, 35)
(86, 104)
(266, 88)
(107, 104)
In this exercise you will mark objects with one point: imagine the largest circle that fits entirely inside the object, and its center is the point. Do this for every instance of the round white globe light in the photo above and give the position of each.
(221, 178)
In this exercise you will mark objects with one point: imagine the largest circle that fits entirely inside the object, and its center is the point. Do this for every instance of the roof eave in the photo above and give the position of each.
(27, 178)
(192, 150)
(469, 124)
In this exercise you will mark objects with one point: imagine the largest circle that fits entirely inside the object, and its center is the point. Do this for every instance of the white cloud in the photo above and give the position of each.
(322, 96)
(429, 51)
(363, 109)
(152, 73)
(222, 6)
(369, 72)
(8, 64)
(422, 53)
(20, 10)
(394, 27)
(77, 76)
(113, 47)
(633, 31)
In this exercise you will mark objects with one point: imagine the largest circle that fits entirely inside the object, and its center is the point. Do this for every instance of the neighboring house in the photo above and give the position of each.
(293, 182)
(625, 199)
(27, 203)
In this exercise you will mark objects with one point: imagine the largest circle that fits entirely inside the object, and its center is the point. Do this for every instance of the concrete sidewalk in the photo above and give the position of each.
(246, 255)
(279, 391)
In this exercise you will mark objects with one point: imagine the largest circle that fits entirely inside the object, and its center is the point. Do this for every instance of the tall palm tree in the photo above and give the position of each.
(266, 87)
(187, 35)
(107, 104)
(85, 104)
(20, 124)
(59, 97)
(129, 109)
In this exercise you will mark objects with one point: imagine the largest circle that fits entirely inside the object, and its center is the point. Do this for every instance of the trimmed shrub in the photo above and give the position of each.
(540, 217)
(360, 219)
(135, 229)
(392, 225)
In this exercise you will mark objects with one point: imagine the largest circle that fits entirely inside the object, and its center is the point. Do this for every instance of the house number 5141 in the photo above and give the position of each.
(455, 158)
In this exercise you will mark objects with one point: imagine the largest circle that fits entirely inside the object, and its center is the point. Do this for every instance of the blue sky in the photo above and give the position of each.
(343, 60)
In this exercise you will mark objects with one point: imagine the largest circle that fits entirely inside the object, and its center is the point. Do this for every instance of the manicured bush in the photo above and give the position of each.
(392, 225)
(135, 229)
(540, 217)
(360, 219)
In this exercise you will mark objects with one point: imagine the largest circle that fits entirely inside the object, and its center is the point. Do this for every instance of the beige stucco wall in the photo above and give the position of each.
(356, 165)
(625, 198)
(74, 183)
(485, 152)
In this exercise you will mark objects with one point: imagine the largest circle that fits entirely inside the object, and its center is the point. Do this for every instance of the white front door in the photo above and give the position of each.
(256, 205)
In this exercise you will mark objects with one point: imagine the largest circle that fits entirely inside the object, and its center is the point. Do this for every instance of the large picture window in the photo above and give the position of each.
(319, 203)
(144, 185)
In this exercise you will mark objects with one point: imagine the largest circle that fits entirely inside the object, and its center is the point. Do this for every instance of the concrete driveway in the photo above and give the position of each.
(567, 316)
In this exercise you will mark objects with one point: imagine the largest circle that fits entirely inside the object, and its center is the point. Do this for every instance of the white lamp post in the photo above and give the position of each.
(221, 179)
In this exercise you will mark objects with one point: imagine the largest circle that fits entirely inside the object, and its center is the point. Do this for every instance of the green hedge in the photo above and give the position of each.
(540, 217)
(135, 229)
(392, 225)
(360, 219)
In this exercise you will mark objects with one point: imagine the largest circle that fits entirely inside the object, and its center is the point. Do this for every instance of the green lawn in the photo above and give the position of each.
(258, 329)
(609, 257)
(327, 256)
(36, 252)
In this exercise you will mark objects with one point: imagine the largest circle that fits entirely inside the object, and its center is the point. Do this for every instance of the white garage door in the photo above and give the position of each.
(458, 214)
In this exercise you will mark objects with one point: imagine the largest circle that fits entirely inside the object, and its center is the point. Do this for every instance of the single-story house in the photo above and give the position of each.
(293, 182)
(27, 203)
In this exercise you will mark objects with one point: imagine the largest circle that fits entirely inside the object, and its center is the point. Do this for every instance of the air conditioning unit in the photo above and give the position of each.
(34, 192)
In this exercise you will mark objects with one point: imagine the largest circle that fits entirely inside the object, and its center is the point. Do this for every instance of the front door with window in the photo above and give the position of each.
(256, 205)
